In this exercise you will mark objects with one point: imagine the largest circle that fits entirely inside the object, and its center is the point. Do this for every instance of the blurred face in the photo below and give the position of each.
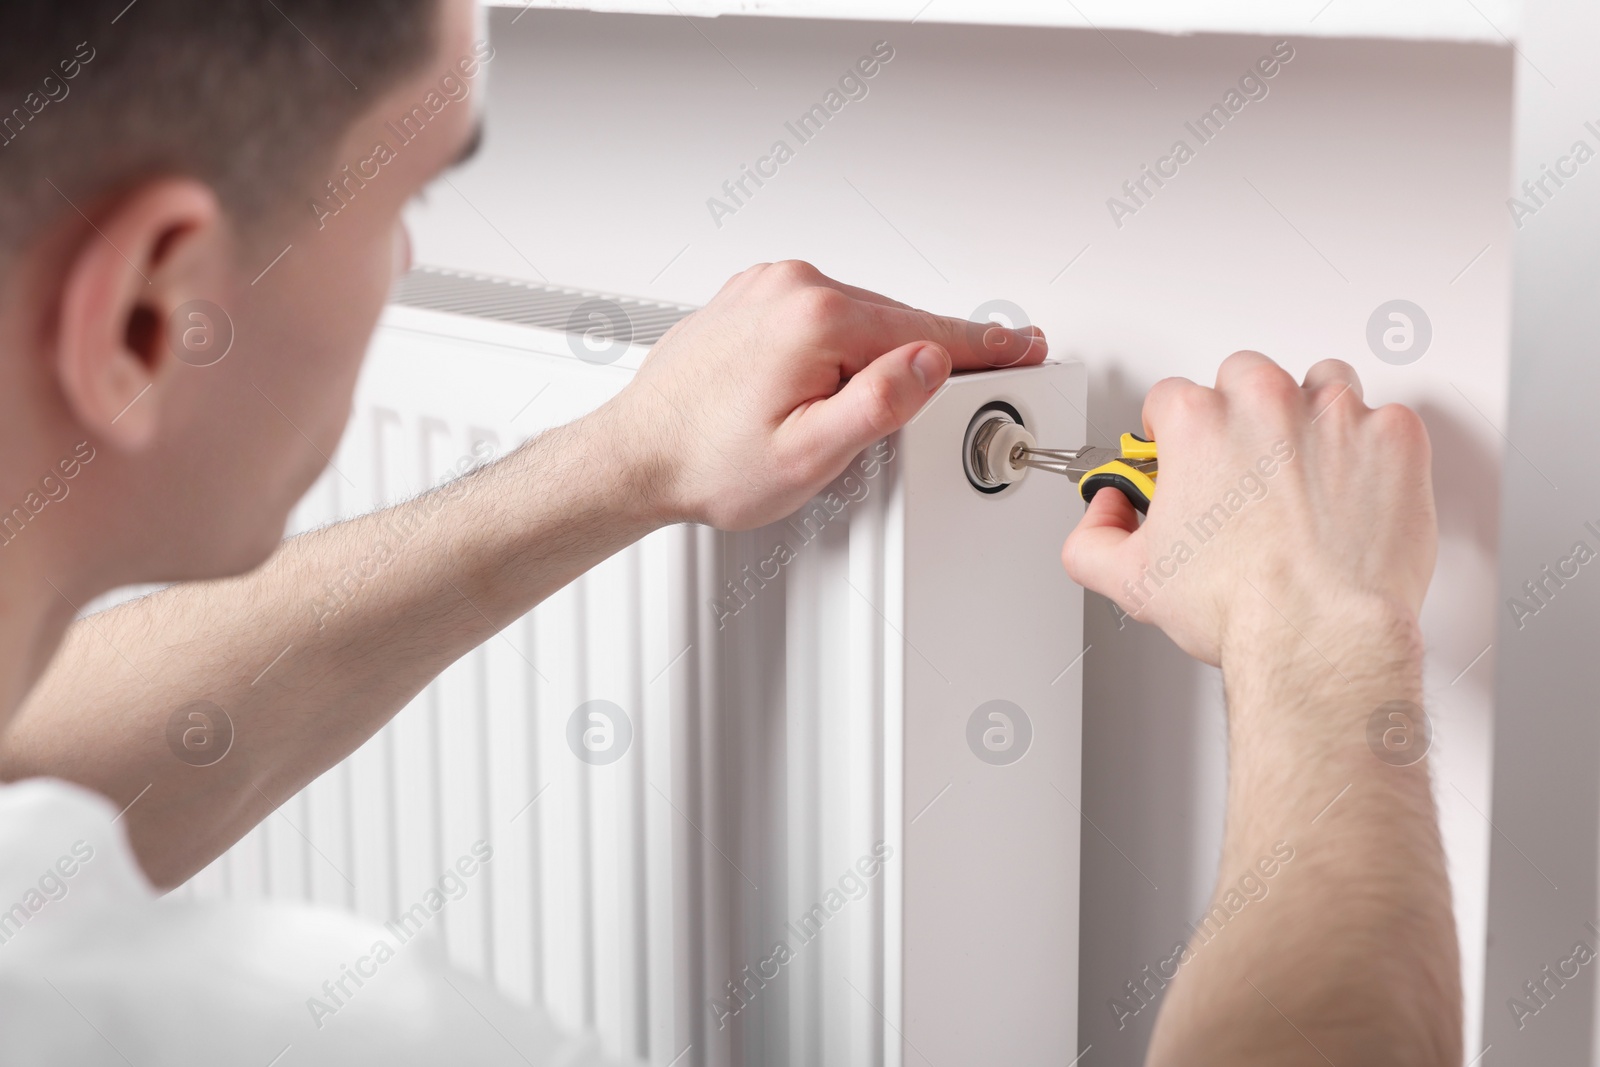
(241, 439)
(252, 379)
(194, 372)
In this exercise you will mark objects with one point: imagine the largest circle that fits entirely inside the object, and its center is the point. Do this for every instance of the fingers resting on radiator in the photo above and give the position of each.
(749, 407)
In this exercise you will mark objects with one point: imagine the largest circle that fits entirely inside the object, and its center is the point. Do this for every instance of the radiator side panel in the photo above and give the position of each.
(992, 726)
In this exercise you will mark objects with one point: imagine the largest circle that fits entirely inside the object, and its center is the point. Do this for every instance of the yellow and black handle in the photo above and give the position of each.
(1136, 481)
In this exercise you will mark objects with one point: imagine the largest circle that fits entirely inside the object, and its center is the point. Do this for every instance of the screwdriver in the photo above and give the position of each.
(1130, 469)
(1001, 451)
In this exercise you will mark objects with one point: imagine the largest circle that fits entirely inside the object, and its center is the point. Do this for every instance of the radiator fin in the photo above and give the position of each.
(641, 322)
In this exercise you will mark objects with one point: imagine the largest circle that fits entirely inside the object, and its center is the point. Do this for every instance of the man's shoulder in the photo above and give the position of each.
(94, 968)
(62, 848)
(40, 801)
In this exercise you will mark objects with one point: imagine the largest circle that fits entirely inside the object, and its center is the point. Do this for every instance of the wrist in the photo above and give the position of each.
(634, 471)
(1339, 661)
(1306, 724)
(1347, 636)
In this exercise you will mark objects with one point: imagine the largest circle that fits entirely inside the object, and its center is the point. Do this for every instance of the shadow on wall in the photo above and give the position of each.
(1460, 461)
(1153, 844)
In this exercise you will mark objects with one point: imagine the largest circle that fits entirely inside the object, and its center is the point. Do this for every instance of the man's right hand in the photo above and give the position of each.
(1275, 501)
(1291, 540)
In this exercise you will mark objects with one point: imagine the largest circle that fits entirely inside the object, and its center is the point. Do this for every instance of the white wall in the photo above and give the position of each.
(1547, 739)
(1490, 21)
(978, 167)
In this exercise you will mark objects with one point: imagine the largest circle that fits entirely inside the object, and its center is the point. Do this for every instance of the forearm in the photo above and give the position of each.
(741, 413)
(1346, 950)
(316, 650)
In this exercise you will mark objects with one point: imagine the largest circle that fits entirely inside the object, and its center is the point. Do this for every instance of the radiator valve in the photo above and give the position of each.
(996, 444)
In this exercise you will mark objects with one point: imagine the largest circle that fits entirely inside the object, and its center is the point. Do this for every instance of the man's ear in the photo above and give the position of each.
(140, 259)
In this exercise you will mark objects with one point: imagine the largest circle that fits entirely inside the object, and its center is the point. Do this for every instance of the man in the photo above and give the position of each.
(161, 155)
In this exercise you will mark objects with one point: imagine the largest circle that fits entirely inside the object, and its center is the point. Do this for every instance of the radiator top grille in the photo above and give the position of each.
(602, 316)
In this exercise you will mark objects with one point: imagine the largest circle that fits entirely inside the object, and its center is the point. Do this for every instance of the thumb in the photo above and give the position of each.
(875, 402)
(1103, 551)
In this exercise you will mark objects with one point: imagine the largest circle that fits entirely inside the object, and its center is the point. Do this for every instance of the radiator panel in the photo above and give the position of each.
(786, 720)
(991, 893)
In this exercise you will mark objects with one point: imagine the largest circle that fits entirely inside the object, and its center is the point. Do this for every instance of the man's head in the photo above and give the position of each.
(184, 177)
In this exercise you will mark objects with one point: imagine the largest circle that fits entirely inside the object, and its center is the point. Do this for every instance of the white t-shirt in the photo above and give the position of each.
(96, 969)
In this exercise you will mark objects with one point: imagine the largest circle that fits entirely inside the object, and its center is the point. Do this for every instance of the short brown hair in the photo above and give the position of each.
(249, 96)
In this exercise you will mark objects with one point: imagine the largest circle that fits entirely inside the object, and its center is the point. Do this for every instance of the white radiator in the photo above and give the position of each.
(788, 737)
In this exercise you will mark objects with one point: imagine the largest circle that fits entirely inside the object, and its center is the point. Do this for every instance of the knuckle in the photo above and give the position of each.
(1168, 390)
(1336, 400)
(1268, 384)
(1180, 399)
(1336, 366)
(1232, 364)
(794, 272)
(1193, 401)
(879, 405)
(1399, 427)
(817, 309)
(933, 325)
